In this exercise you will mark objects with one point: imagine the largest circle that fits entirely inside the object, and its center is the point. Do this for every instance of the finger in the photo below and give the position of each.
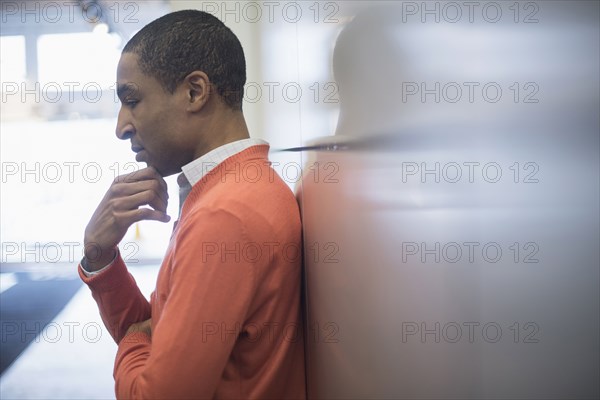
(150, 173)
(147, 197)
(143, 174)
(127, 189)
(132, 216)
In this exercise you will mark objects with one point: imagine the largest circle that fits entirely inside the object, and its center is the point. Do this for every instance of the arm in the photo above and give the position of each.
(119, 299)
(202, 316)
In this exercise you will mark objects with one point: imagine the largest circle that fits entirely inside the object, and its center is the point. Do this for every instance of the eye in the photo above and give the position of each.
(130, 102)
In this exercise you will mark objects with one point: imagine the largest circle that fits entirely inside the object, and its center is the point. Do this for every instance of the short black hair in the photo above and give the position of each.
(178, 43)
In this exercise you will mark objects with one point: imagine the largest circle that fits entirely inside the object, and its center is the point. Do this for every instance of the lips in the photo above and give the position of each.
(139, 152)
(140, 156)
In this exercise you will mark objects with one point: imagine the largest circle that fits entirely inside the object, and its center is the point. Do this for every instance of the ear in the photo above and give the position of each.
(198, 90)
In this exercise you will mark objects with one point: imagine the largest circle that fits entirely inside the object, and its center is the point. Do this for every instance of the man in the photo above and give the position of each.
(224, 320)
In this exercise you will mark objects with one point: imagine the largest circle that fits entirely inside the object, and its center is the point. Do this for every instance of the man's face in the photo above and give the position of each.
(151, 118)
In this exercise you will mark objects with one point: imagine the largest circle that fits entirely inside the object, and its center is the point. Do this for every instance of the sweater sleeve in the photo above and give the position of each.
(211, 287)
(119, 299)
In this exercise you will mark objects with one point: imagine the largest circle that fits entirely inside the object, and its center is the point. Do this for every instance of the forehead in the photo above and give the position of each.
(131, 77)
(128, 68)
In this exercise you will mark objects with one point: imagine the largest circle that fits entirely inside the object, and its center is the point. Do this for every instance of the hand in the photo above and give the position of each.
(119, 209)
(145, 326)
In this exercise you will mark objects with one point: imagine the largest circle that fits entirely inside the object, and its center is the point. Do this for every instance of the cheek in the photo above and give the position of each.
(164, 138)
(161, 130)
(154, 125)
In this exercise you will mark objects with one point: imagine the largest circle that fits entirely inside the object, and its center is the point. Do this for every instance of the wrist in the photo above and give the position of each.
(97, 258)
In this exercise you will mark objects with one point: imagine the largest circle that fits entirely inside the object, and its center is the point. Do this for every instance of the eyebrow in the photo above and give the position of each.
(126, 89)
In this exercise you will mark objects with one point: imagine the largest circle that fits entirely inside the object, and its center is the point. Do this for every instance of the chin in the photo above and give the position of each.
(165, 171)
(157, 168)
(161, 171)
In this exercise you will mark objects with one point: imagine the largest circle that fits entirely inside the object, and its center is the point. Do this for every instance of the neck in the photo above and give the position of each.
(234, 127)
(228, 127)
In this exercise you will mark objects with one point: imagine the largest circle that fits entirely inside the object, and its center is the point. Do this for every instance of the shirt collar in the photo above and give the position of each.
(195, 170)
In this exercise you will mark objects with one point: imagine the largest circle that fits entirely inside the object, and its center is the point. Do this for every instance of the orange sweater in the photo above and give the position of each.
(226, 319)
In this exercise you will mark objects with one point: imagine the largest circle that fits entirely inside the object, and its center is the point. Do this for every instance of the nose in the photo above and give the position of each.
(124, 129)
